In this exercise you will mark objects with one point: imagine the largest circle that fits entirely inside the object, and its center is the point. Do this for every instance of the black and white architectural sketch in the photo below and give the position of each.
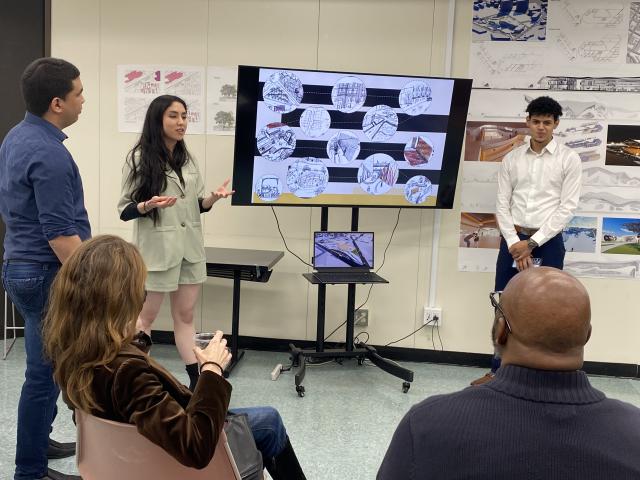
(633, 38)
(415, 97)
(307, 177)
(343, 147)
(593, 84)
(348, 94)
(380, 123)
(518, 20)
(604, 177)
(282, 92)
(417, 189)
(268, 187)
(378, 173)
(276, 141)
(315, 121)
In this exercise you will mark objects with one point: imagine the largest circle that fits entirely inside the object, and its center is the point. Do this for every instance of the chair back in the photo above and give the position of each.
(108, 450)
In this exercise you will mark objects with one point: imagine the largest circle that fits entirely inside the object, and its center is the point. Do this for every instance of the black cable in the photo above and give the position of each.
(439, 338)
(415, 331)
(356, 342)
(285, 242)
(354, 313)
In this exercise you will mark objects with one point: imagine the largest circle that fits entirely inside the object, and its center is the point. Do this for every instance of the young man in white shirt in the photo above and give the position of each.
(538, 193)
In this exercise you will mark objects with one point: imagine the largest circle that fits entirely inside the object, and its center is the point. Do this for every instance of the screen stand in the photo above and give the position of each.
(361, 352)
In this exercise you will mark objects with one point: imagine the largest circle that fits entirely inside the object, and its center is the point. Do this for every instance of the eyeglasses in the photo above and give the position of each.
(498, 308)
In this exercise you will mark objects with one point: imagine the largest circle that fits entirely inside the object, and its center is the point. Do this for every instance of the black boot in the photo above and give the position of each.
(192, 371)
(60, 450)
(285, 466)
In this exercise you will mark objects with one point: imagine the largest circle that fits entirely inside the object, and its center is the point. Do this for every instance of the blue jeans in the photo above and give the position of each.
(267, 428)
(28, 284)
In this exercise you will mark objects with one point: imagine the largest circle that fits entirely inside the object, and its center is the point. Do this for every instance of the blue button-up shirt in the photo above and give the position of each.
(41, 195)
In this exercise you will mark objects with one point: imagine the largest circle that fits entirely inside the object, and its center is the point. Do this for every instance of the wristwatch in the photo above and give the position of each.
(531, 243)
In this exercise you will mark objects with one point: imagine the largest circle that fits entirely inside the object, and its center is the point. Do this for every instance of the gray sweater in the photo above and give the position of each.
(524, 424)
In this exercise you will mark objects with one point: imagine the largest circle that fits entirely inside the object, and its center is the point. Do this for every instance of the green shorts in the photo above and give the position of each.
(185, 273)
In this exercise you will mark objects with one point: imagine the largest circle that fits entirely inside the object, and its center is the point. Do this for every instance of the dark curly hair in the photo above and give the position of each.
(544, 106)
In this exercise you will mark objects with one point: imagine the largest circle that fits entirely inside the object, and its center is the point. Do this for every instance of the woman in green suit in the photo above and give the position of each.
(163, 193)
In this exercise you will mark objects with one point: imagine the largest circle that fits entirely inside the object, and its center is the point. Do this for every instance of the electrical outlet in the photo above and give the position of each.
(432, 316)
(361, 318)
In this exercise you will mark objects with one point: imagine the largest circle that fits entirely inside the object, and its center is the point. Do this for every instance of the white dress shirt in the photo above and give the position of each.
(538, 190)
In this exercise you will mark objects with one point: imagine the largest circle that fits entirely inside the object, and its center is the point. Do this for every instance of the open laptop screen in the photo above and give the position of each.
(343, 250)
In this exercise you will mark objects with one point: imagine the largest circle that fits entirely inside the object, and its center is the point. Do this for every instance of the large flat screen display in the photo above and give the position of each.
(347, 139)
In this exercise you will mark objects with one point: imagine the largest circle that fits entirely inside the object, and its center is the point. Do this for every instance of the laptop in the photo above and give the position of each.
(344, 257)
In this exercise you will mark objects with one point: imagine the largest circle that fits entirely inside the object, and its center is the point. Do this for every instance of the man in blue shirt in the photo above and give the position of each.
(42, 205)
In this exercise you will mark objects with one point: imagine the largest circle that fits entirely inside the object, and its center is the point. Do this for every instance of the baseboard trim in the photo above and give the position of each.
(625, 370)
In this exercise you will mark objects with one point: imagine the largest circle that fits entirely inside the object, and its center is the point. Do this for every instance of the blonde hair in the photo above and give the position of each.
(93, 305)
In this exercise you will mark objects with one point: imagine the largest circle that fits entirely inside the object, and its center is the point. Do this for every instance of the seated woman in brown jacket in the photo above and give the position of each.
(103, 368)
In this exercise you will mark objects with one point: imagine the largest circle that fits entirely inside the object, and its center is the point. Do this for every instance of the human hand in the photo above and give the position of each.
(222, 192)
(216, 351)
(159, 202)
(520, 250)
(523, 264)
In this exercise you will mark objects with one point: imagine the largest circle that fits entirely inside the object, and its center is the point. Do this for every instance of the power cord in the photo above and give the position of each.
(285, 242)
(433, 321)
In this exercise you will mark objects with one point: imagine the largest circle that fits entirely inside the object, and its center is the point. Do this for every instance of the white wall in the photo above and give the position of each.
(402, 37)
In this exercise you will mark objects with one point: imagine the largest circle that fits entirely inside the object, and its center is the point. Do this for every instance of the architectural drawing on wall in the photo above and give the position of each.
(142, 81)
(380, 123)
(479, 230)
(506, 65)
(479, 197)
(348, 94)
(418, 151)
(276, 141)
(282, 92)
(184, 83)
(315, 121)
(620, 236)
(623, 145)
(597, 267)
(586, 138)
(415, 97)
(606, 178)
(612, 199)
(578, 109)
(195, 112)
(343, 147)
(589, 14)
(307, 177)
(605, 49)
(580, 235)
(475, 172)
(490, 142)
(268, 187)
(417, 189)
(378, 173)
(135, 109)
(593, 84)
(633, 37)
(222, 92)
(499, 20)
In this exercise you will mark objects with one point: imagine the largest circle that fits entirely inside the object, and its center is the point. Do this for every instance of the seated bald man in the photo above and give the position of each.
(539, 418)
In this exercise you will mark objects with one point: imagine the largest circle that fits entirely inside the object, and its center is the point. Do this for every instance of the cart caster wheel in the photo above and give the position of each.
(300, 390)
(405, 387)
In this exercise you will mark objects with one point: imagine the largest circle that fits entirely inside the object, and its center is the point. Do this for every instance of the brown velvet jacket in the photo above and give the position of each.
(135, 389)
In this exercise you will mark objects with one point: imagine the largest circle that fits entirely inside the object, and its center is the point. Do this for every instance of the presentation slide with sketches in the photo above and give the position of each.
(138, 85)
(620, 236)
(343, 250)
(623, 145)
(222, 92)
(363, 135)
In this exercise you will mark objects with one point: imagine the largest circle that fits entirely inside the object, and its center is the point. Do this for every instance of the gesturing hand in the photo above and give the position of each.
(159, 202)
(222, 192)
(216, 351)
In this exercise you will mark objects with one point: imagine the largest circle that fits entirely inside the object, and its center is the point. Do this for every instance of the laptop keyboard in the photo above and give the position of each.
(346, 277)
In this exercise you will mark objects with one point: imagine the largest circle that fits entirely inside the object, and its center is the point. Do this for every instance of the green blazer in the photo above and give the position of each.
(178, 233)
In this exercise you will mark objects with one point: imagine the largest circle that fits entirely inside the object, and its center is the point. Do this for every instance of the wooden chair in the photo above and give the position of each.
(109, 450)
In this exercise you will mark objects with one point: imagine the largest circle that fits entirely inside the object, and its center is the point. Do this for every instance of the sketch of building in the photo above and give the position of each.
(276, 141)
(146, 82)
(418, 151)
(605, 177)
(415, 97)
(613, 199)
(519, 20)
(282, 92)
(343, 147)
(597, 84)
(268, 187)
(582, 14)
(380, 123)
(378, 173)
(602, 268)
(633, 38)
(417, 189)
(307, 177)
(348, 94)
(184, 83)
(591, 127)
(315, 121)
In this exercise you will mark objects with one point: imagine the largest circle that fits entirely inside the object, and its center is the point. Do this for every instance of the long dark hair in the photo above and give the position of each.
(150, 158)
